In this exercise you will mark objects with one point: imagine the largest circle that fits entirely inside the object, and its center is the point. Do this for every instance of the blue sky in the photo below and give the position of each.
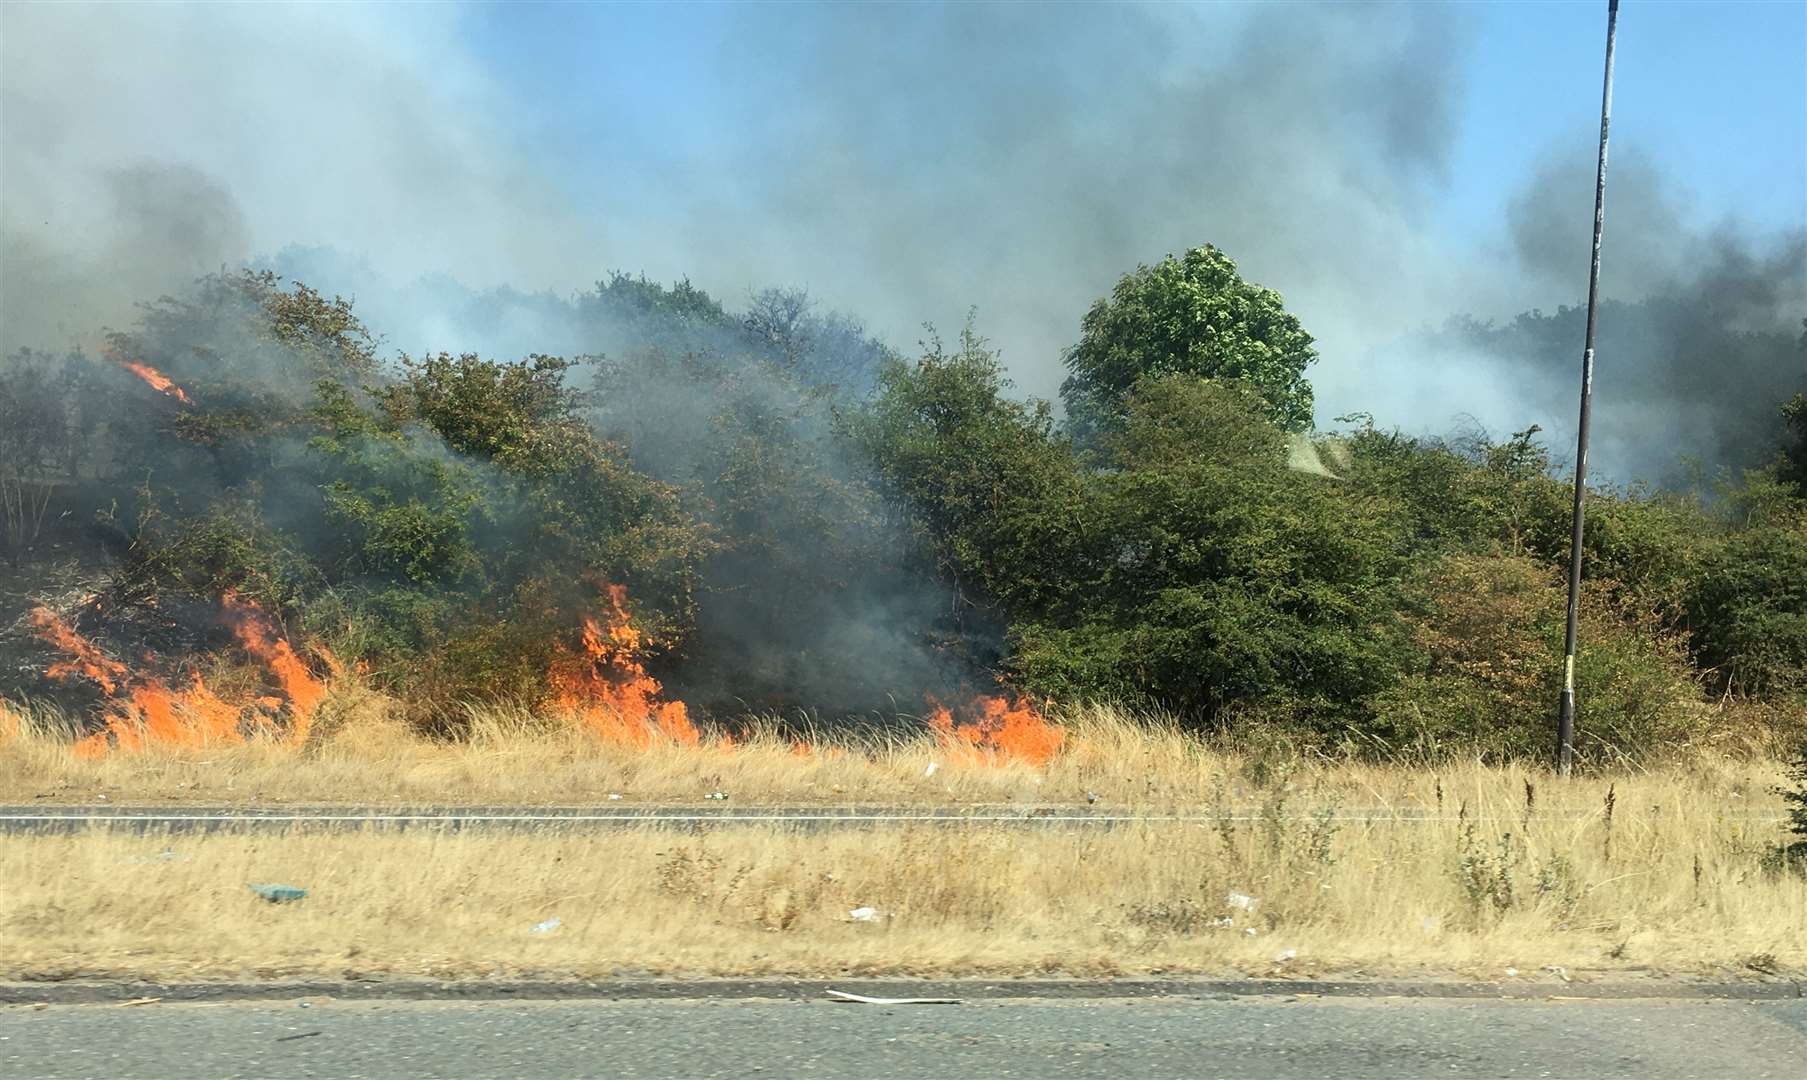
(1716, 91)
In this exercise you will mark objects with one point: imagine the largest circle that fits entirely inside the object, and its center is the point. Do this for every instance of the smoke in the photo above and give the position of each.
(1022, 159)
(901, 162)
(191, 136)
(154, 228)
(1699, 337)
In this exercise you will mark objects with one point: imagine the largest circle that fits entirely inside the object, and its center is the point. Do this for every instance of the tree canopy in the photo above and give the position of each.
(1191, 315)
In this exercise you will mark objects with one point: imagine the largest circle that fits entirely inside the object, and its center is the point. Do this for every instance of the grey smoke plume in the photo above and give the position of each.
(1700, 335)
(903, 163)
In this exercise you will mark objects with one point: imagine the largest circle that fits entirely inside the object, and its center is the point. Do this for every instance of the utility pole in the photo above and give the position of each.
(1565, 722)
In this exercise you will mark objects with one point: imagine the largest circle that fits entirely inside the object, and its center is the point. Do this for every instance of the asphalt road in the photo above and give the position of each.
(64, 819)
(1262, 1039)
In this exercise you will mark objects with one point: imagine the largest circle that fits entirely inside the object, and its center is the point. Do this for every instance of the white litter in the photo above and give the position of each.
(1284, 955)
(930, 771)
(1251, 931)
(1242, 901)
(614, 796)
(863, 914)
(862, 999)
(546, 927)
(1512, 973)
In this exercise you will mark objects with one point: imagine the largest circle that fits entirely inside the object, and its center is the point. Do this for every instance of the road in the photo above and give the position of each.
(63, 819)
(1260, 1039)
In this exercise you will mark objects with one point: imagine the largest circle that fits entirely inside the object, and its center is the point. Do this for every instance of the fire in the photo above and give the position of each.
(158, 381)
(1001, 729)
(80, 656)
(608, 689)
(259, 637)
(143, 709)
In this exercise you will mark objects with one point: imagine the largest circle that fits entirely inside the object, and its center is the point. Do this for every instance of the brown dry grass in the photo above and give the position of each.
(1510, 868)
(359, 755)
(1670, 887)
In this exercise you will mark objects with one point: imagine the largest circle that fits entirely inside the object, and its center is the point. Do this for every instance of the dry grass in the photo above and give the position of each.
(1661, 868)
(358, 755)
(1671, 888)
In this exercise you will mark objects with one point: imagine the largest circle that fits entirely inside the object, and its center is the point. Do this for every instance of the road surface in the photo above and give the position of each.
(1260, 1039)
(64, 819)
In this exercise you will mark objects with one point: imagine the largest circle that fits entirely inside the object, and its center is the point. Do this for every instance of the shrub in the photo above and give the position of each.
(1747, 610)
(1489, 628)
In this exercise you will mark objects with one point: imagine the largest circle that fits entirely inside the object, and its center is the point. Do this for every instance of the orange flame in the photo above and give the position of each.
(159, 381)
(81, 657)
(259, 637)
(142, 709)
(608, 689)
(1003, 729)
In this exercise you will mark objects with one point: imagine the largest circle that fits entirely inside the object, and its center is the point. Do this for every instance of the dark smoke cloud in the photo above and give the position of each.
(1699, 338)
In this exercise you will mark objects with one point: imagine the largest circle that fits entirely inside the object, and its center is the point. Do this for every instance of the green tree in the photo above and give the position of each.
(1748, 610)
(1191, 315)
(992, 494)
(1216, 577)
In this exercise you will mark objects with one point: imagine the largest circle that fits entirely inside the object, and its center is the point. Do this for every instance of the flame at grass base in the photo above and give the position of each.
(606, 687)
(143, 709)
(259, 637)
(1001, 729)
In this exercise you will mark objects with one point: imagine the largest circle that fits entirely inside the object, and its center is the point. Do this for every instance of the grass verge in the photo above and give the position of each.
(514, 758)
(1295, 892)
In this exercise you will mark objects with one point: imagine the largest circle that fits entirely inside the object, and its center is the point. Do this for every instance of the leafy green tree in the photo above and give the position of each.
(994, 497)
(1190, 315)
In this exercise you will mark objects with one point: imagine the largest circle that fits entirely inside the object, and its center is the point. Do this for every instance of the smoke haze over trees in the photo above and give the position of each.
(544, 363)
(900, 163)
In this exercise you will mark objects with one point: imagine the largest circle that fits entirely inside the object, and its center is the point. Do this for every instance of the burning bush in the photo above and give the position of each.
(707, 523)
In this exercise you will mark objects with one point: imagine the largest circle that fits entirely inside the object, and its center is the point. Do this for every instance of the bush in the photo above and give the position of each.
(1488, 630)
(1747, 610)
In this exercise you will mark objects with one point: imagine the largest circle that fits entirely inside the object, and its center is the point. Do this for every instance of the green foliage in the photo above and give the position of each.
(1196, 571)
(993, 496)
(1794, 445)
(1747, 610)
(1796, 799)
(796, 542)
(1218, 577)
(1192, 315)
(1487, 632)
(456, 516)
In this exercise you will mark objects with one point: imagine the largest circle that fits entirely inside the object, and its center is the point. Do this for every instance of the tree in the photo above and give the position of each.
(1215, 577)
(1794, 448)
(993, 496)
(1191, 315)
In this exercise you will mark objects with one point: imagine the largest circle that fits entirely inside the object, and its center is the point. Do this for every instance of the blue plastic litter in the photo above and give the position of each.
(278, 894)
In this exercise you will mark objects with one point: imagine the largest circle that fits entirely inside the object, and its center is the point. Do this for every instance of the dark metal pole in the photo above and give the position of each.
(1565, 723)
